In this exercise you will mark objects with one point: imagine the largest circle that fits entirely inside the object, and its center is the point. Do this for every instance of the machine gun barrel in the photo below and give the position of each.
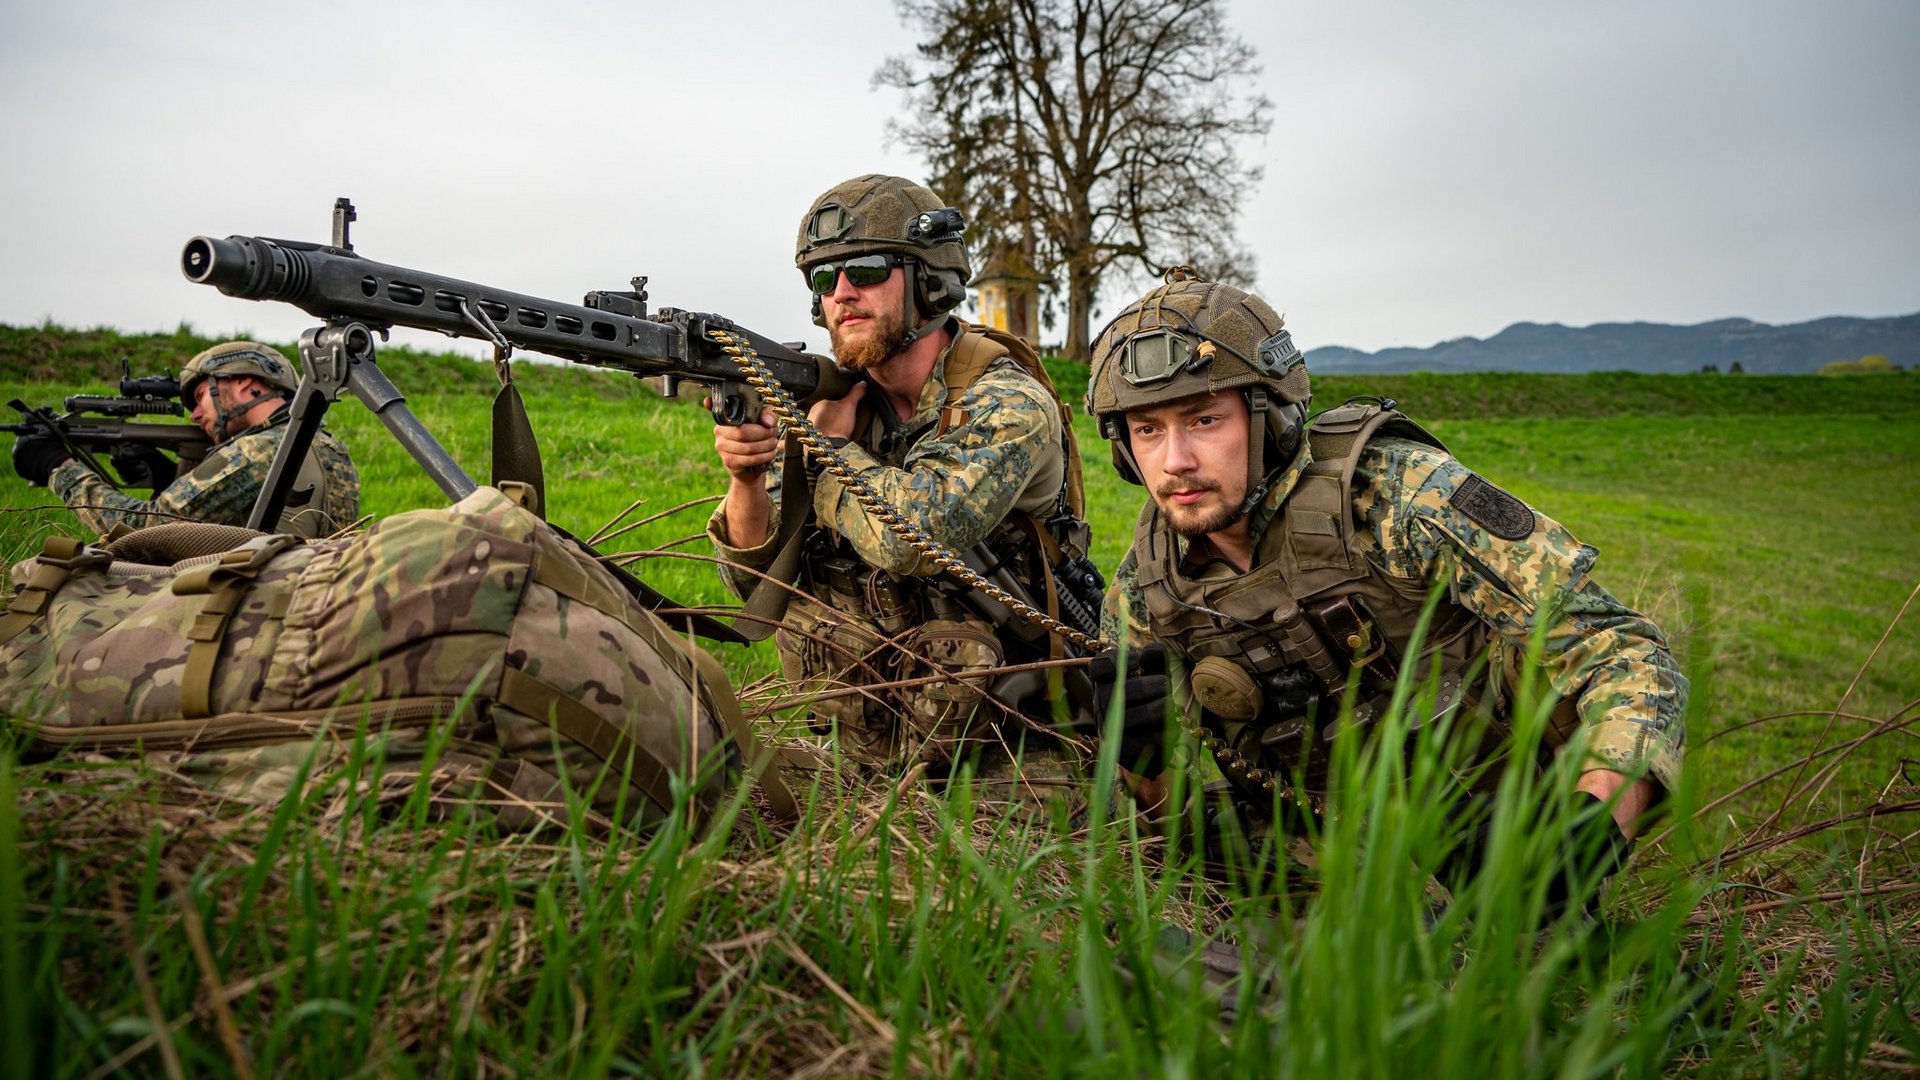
(611, 329)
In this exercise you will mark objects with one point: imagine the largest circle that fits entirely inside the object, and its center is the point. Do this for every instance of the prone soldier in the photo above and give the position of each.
(1281, 561)
(238, 393)
(955, 429)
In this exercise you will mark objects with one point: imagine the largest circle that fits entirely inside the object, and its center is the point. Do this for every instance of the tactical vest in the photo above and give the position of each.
(871, 626)
(1271, 651)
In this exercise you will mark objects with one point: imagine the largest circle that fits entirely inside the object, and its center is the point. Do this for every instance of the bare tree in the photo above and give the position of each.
(1083, 135)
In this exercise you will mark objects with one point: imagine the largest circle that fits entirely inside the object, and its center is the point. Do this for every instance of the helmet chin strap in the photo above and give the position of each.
(223, 417)
(919, 332)
(1257, 406)
(1265, 418)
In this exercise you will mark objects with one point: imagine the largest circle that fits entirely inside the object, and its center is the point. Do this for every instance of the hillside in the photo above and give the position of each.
(1796, 349)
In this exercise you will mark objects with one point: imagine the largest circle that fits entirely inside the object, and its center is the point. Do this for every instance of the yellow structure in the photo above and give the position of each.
(1008, 300)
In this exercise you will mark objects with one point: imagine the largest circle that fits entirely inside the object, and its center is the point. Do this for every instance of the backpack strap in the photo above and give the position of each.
(224, 583)
(974, 351)
(59, 557)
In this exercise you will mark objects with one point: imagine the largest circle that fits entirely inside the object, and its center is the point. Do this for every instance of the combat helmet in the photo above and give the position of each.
(880, 214)
(1190, 337)
(233, 359)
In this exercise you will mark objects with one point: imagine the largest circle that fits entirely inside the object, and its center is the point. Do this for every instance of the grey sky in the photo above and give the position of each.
(1434, 170)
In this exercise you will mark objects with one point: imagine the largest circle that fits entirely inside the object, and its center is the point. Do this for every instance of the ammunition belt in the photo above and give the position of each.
(788, 410)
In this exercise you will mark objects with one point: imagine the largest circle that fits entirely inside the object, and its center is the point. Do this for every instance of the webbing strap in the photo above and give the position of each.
(974, 351)
(969, 359)
(1048, 553)
(525, 694)
(224, 582)
(761, 764)
(59, 557)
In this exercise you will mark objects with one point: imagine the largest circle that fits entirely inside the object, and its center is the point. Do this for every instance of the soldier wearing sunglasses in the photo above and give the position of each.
(956, 429)
(1288, 568)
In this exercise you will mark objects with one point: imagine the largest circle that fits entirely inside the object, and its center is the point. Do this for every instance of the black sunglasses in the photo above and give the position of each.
(861, 271)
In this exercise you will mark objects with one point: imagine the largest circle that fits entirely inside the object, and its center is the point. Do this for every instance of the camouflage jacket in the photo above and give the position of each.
(221, 490)
(1609, 661)
(956, 487)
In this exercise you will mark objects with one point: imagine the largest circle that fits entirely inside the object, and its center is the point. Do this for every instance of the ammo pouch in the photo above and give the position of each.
(826, 653)
(476, 630)
(945, 718)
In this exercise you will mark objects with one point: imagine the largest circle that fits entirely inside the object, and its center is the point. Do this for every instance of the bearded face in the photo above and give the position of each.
(1192, 455)
(868, 326)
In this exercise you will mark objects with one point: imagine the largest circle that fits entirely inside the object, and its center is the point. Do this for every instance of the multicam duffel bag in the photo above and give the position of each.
(477, 623)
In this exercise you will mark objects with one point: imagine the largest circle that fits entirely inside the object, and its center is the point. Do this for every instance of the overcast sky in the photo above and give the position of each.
(1434, 171)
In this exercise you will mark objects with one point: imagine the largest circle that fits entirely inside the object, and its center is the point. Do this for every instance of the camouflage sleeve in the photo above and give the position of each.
(1123, 614)
(221, 490)
(739, 581)
(1521, 572)
(955, 487)
(99, 505)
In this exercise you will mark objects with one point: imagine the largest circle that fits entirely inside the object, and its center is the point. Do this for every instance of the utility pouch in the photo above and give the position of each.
(945, 718)
(1304, 645)
(1351, 628)
(821, 653)
(840, 580)
(892, 603)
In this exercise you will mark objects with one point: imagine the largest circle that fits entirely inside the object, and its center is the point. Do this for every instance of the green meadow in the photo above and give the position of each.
(1767, 928)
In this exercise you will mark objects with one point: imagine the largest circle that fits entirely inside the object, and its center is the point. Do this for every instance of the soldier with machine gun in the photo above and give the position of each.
(953, 430)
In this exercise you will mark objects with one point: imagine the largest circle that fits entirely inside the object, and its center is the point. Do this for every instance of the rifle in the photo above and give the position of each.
(98, 423)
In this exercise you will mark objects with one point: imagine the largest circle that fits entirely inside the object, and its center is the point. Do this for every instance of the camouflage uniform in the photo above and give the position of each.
(1610, 663)
(221, 490)
(959, 488)
(1351, 523)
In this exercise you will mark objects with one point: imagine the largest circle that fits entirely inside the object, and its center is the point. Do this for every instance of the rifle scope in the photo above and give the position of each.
(150, 387)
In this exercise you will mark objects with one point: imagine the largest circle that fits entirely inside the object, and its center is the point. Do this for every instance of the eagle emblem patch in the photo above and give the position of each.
(1498, 512)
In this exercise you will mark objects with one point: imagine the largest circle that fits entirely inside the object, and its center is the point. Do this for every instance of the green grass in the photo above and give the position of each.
(1767, 524)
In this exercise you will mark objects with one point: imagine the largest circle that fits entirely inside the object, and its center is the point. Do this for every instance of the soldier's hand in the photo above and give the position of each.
(835, 418)
(748, 450)
(1595, 849)
(144, 466)
(36, 454)
(1142, 686)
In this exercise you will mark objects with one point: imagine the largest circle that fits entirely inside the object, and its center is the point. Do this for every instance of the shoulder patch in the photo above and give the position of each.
(1503, 515)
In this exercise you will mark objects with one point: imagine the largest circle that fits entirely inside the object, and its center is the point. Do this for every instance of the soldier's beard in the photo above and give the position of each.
(1202, 519)
(871, 343)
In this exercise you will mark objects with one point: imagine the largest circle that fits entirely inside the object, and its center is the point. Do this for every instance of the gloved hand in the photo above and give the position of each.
(1143, 689)
(36, 454)
(1595, 849)
(144, 466)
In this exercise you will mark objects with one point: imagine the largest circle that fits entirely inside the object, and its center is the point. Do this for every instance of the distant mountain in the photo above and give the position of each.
(1759, 349)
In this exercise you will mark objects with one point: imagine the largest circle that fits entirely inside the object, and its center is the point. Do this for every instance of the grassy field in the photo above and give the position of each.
(1767, 523)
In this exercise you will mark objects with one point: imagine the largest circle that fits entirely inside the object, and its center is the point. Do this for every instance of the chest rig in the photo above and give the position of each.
(1041, 546)
(1272, 652)
(877, 626)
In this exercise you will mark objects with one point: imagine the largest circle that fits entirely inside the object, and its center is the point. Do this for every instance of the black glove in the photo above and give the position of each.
(144, 466)
(36, 454)
(1143, 687)
(1594, 851)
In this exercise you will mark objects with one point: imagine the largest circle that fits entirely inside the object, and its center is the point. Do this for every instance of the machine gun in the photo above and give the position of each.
(98, 423)
(359, 298)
